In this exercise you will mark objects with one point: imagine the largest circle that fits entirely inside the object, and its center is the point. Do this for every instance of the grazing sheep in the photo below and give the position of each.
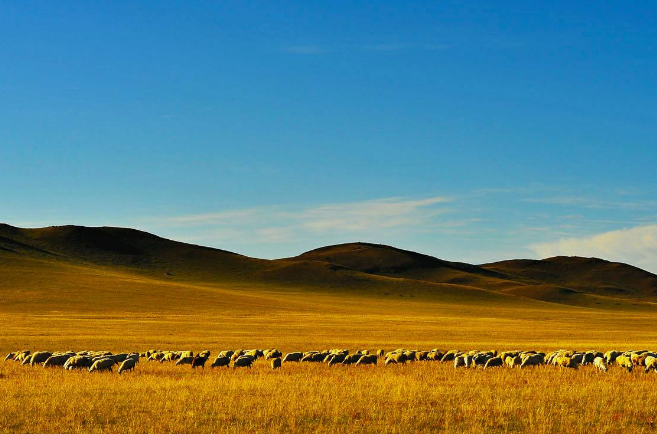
(102, 365)
(220, 361)
(380, 353)
(367, 360)
(566, 362)
(272, 354)
(57, 360)
(435, 355)
(459, 361)
(651, 364)
(588, 358)
(276, 363)
(610, 356)
(336, 359)
(449, 356)
(10, 356)
(127, 365)
(187, 360)
(599, 362)
(200, 359)
(351, 359)
(493, 362)
(468, 361)
(78, 362)
(292, 357)
(244, 362)
(532, 360)
(480, 359)
(625, 362)
(39, 357)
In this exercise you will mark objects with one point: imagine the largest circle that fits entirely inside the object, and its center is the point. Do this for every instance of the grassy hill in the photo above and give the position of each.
(109, 265)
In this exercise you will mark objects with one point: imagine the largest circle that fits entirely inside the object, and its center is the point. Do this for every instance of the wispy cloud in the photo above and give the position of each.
(277, 223)
(637, 246)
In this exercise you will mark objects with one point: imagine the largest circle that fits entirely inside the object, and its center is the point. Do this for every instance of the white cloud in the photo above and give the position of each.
(636, 246)
(287, 223)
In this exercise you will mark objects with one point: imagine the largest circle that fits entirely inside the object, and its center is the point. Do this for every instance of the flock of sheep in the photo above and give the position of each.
(105, 361)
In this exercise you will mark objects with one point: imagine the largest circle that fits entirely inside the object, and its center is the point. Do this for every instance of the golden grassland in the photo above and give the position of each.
(417, 397)
(58, 305)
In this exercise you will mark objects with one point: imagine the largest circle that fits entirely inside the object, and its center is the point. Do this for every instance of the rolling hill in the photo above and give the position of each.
(91, 267)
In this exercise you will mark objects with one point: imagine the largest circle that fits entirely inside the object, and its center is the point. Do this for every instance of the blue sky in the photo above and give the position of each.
(474, 132)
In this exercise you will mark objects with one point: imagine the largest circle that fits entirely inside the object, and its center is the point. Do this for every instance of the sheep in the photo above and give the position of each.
(468, 361)
(367, 360)
(292, 357)
(651, 364)
(351, 359)
(39, 357)
(220, 361)
(78, 362)
(272, 354)
(335, 359)
(187, 360)
(449, 356)
(244, 361)
(566, 362)
(493, 362)
(435, 355)
(480, 359)
(459, 361)
(532, 360)
(102, 365)
(127, 365)
(200, 359)
(588, 358)
(57, 360)
(21, 356)
(599, 362)
(380, 353)
(610, 356)
(625, 362)
(276, 363)
(10, 356)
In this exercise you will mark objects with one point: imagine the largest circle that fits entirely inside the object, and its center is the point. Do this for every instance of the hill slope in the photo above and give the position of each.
(81, 266)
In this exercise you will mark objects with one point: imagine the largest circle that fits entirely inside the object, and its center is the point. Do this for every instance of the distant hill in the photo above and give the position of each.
(72, 265)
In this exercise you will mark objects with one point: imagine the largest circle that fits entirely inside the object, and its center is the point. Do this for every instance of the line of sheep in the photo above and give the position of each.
(105, 361)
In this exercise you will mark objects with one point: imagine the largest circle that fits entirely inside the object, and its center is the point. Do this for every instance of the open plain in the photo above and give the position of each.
(72, 288)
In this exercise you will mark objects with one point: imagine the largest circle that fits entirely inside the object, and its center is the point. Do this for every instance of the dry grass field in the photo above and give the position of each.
(61, 291)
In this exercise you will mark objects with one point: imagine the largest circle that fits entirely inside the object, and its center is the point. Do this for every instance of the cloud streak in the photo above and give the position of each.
(279, 223)
(637, 246)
